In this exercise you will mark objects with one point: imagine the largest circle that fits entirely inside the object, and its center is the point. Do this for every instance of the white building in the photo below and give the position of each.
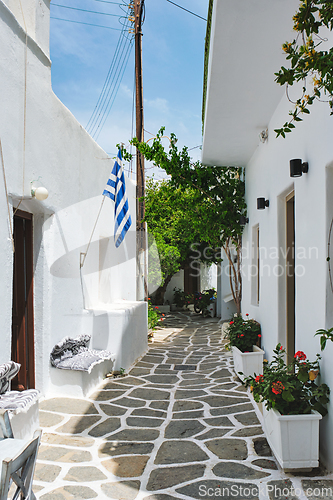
(242, 100)
(43, 142)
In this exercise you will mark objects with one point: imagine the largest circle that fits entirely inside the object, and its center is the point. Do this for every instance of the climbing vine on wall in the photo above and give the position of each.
(308, 63)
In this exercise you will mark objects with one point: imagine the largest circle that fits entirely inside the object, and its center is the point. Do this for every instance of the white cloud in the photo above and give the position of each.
(158, 104)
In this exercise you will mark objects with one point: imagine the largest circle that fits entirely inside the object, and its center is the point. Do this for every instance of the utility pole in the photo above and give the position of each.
(142, 287)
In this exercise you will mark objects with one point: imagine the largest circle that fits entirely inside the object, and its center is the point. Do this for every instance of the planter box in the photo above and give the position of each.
(212, 309)
(294, 439)
(249, 363)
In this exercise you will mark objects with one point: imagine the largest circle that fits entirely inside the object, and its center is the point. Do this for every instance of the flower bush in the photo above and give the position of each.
(181, 299)
(243, 333)
(204, 299)
(154, 315)
(290, 389)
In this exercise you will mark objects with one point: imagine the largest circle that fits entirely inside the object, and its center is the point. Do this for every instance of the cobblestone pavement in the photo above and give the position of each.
(179, 425)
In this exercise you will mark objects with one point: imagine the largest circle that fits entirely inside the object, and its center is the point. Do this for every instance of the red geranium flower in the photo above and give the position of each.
(231, 323)
(259, 335)
(277, 387)
(281, 348)
(258, 378)
(300, 356)
(242, 334)
(247, 314)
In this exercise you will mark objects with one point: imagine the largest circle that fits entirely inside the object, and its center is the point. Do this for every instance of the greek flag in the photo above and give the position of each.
(115, 189)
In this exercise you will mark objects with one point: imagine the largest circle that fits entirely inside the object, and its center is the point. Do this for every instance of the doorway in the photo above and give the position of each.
(290, 274)
(23, 350)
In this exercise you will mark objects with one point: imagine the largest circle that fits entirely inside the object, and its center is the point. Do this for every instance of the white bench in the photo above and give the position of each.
(77, 370)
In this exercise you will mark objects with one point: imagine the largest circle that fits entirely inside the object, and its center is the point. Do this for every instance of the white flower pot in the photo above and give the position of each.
(250, 363)
(294, 439)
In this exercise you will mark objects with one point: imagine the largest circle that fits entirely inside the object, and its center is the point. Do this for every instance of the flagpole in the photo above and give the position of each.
(82, 254)
(142, 288)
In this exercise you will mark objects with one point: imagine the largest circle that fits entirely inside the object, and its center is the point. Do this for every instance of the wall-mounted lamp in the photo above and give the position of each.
(243, 220)
(39, 192)
(262, 203)
(297, 167)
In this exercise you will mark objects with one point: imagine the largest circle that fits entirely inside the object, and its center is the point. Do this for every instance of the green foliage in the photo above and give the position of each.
(180, 298)
(204, 299)
(290, 389)
(171, 215)
(243, 333)
(325, 335)
(154, 316)
(211, 200)
(307, 61)
(218, 192)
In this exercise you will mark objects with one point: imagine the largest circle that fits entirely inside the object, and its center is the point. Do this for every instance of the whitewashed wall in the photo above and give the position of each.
(267, 175)
(74, 169)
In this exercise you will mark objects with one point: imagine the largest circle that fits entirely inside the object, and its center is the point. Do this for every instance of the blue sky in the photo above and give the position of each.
(173, 54)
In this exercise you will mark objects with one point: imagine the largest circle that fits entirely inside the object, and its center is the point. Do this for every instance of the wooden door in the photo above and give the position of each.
(290, 272)
(192, 278)
(23, 351)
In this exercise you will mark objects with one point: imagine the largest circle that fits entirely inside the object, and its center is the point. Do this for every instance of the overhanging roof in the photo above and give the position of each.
(245, 52)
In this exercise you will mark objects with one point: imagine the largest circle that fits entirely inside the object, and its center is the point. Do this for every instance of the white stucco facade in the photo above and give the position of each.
(267, 175)
(42, 140)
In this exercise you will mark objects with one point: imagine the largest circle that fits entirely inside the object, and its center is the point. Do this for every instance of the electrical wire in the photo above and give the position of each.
(87, 24)
(115, 91)
(106, 1)
(111, 84)
(94, 115)
(183, 8)
(109, 90)
(84, 10)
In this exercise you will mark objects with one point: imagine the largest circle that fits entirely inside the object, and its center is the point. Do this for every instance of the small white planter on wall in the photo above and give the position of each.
(249, 363)
(294, 439)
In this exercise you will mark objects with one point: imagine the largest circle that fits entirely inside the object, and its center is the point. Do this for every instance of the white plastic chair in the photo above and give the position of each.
(18, 459)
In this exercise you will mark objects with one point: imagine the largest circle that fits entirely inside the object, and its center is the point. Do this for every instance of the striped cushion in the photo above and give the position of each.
(19, 401)
(7, 372)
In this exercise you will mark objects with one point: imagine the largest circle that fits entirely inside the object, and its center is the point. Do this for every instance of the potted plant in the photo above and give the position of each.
(293, 404)
(244, 337)
(205, 302)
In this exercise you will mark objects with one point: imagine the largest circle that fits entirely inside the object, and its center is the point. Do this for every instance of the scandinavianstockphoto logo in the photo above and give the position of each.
(272, 491)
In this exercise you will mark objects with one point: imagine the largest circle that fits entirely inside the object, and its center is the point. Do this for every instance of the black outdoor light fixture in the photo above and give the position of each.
(262, 203)
(297, 167)
(243, 220)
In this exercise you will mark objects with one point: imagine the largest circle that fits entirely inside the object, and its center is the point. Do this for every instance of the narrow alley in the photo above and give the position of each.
(179, 425)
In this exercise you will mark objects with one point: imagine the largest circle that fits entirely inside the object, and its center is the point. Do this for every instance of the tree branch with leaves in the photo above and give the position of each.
(219, 192)
(309, 64)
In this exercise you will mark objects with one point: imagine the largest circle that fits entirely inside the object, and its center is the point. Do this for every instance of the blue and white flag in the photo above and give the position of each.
(116, 190)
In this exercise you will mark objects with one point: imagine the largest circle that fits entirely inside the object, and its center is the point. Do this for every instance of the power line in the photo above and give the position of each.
(87, 24)
(115, 91)
(183, 8)
(84, 10)
(106, 1)
(105, 92)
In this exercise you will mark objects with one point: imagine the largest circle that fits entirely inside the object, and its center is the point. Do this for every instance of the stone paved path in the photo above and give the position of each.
(179, 425)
